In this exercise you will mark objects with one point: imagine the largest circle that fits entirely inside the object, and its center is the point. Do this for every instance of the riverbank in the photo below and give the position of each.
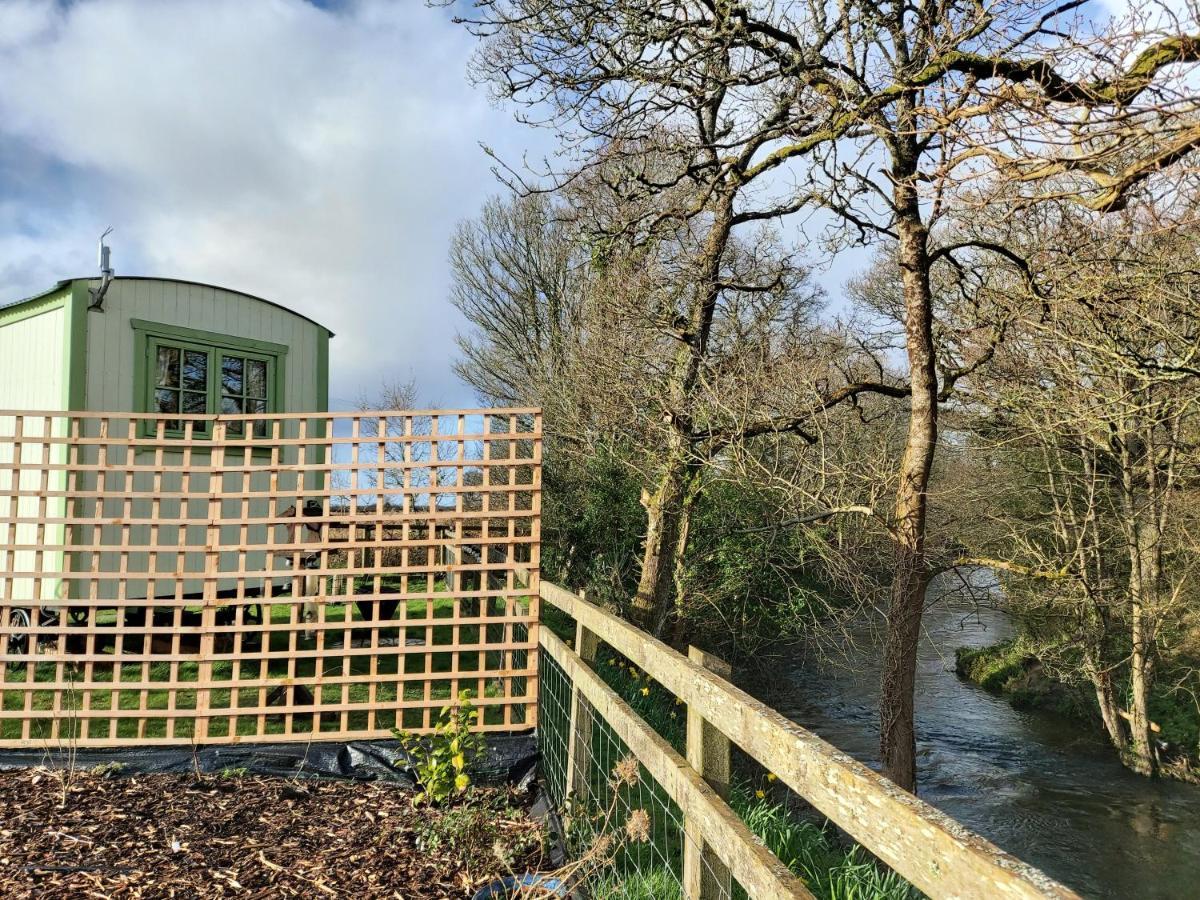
(1036, 783)
(1011, 669)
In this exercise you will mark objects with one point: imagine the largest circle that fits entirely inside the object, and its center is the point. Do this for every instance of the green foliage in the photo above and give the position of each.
(748, 581)
(993, 667)
(1176, 713)
(103, 770)
(1012, 670)
(476, 827)
(830, 869)
(827, 868)
(441, 759)
(592, 525)
(650, 700)
(654, 883)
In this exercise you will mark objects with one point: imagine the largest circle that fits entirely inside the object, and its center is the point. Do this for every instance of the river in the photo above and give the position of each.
(1040, 787)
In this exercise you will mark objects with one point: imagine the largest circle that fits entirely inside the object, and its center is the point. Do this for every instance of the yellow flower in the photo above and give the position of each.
(678, 701)
(645, 692)
(611, 661)
(760, 794)
(771, 776)
(673, 716)
(633, 673)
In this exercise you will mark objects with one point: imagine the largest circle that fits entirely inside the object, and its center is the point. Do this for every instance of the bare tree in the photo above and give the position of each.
(874, 112)
(518, 280)
(589, 330)
(1094, 416)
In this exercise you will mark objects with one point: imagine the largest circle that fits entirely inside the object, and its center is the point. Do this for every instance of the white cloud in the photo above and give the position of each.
(24, 20)
(317, 158)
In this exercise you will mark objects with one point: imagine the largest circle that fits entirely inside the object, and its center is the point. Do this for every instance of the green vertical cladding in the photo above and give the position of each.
(75, 377)
(319, 482)
(322, 370)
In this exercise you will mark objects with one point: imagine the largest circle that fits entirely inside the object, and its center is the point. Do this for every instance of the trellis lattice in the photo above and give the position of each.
(314, 576)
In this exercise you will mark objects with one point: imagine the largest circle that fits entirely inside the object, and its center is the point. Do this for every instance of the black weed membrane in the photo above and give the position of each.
(508, 760)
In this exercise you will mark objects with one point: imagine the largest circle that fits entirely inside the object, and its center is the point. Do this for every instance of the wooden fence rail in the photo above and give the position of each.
(932, 851)
(213, 579)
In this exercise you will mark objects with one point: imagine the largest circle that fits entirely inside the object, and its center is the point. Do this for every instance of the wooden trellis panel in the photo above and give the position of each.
(315, 576)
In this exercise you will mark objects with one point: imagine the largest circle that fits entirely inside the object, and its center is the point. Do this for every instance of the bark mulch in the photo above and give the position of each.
(179, 836)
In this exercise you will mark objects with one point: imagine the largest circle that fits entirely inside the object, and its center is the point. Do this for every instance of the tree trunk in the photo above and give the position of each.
(897, 738)
(1110, 708)
(666, 529)
(668, 506)
(1143, 539)
(1141, 756)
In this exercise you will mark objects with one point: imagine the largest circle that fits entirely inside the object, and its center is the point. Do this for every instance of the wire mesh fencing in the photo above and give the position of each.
(626, 836)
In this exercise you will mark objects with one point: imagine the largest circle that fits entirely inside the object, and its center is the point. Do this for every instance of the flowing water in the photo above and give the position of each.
(1047, 790)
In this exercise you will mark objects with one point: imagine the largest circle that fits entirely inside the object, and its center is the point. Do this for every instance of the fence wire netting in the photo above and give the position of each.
(625, 834)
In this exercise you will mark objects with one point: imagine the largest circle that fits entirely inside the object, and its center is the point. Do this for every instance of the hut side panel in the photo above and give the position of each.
(33, 353)
(111, 338)
(113, 357)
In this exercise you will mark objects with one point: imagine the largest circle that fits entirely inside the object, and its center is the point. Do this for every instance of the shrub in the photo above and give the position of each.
(440, 759)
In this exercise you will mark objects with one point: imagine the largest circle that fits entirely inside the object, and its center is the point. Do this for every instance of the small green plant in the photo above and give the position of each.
(479, 827)
(441, 759)
(103, 770)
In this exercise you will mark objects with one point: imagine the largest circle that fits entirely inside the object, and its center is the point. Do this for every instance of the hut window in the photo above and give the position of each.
(244, 389)
(180, 383)
(183, 375)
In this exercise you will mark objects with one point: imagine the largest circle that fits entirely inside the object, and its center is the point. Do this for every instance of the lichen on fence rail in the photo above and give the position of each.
(932, 851)
(213, 579)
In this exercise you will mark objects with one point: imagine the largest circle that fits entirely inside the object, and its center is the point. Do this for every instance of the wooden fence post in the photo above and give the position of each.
(579, 740)
(705, 877)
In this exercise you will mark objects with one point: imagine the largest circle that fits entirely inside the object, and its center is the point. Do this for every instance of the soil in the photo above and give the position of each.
(103, 834)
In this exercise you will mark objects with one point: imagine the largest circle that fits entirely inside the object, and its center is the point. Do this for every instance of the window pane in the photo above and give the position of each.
(168, 367)
(231, 374)
(257, 406)
(195, 370)
(166, 401)
(232, 405)
(195, 402)
(256, 378)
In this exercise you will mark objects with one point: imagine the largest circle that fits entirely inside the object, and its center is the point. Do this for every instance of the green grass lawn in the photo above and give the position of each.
(368, 680)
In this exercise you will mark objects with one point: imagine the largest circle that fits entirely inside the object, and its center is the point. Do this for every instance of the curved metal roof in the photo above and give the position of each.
(218, 287)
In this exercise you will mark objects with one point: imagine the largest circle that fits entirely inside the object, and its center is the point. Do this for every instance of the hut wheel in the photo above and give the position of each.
(18, 642)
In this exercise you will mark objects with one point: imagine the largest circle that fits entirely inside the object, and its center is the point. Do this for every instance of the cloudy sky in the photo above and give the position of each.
(315, 154)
